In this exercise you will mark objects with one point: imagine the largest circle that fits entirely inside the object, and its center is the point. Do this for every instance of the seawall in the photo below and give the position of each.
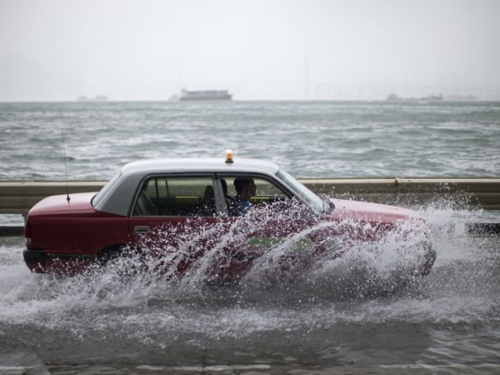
(17, 197)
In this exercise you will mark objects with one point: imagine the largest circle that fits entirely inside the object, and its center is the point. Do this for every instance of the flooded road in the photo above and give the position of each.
(102, 323)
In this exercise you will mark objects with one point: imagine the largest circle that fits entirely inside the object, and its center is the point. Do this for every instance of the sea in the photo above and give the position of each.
(113, 322)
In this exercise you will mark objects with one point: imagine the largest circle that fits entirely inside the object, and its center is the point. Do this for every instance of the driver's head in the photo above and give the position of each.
(245, 187)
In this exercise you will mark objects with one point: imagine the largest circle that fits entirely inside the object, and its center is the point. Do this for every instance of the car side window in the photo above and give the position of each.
(257, 191)
(176, 196)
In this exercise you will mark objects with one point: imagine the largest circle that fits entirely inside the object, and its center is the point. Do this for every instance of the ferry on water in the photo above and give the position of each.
(205, 95)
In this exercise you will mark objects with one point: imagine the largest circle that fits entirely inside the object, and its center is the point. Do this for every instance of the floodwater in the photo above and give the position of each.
(106, 323)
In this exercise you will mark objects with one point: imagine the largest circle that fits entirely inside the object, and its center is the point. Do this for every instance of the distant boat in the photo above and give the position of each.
(205, 95)
(394, 97)
(99, 98)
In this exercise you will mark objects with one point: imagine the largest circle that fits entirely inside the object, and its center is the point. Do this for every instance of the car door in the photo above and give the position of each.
(175, 218)
(275, 215)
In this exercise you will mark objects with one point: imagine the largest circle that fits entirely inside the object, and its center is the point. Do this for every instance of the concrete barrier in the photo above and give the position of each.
(17, 197)
(465, 192)
(11, 231)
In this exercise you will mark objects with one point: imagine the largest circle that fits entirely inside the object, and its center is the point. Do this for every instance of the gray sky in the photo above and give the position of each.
(258, 49)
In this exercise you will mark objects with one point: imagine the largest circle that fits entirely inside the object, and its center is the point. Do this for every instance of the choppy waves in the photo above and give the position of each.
(310, 139)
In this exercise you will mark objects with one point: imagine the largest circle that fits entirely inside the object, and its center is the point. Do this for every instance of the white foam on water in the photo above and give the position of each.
(459, 289)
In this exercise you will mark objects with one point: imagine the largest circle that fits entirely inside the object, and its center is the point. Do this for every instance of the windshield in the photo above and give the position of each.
(98, 197)
(315, 202)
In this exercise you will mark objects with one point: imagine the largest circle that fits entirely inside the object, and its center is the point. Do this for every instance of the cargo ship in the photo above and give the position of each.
(205, 95)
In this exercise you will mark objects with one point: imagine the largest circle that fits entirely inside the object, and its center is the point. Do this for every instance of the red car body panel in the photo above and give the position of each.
(367, 211)
(72, 232)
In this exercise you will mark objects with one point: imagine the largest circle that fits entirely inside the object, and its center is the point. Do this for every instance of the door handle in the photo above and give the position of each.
(142, 229)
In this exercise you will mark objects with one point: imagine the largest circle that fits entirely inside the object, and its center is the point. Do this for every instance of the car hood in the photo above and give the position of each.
(347, 209)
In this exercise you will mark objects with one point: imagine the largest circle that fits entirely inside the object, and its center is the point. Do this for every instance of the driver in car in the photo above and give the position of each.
(245, 189)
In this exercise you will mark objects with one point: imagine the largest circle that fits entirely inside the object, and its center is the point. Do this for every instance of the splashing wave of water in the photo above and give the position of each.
(142, 314)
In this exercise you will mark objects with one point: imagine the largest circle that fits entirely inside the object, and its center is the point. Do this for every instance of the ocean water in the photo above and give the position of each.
(309, 139)
(105, 323)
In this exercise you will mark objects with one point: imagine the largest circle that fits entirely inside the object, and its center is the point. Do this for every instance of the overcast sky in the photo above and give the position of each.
(258, 49)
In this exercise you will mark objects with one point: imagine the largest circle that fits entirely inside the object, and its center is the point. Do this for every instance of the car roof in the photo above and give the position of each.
(123, 186)
(187, 165)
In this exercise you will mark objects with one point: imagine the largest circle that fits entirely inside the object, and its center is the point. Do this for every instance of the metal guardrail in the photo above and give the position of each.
(464, 192)
(17, 197)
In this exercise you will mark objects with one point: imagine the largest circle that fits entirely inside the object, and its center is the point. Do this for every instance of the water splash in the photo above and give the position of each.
(136, 297)
(125, 315)
(242, 252)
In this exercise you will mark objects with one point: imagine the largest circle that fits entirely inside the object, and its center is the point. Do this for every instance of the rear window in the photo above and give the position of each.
(102, 193)
(176, 196)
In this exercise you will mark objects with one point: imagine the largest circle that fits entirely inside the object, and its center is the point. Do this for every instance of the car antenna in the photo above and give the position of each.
(65, 158)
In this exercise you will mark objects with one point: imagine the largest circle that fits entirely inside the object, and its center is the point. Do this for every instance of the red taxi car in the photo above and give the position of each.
(189, 207)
